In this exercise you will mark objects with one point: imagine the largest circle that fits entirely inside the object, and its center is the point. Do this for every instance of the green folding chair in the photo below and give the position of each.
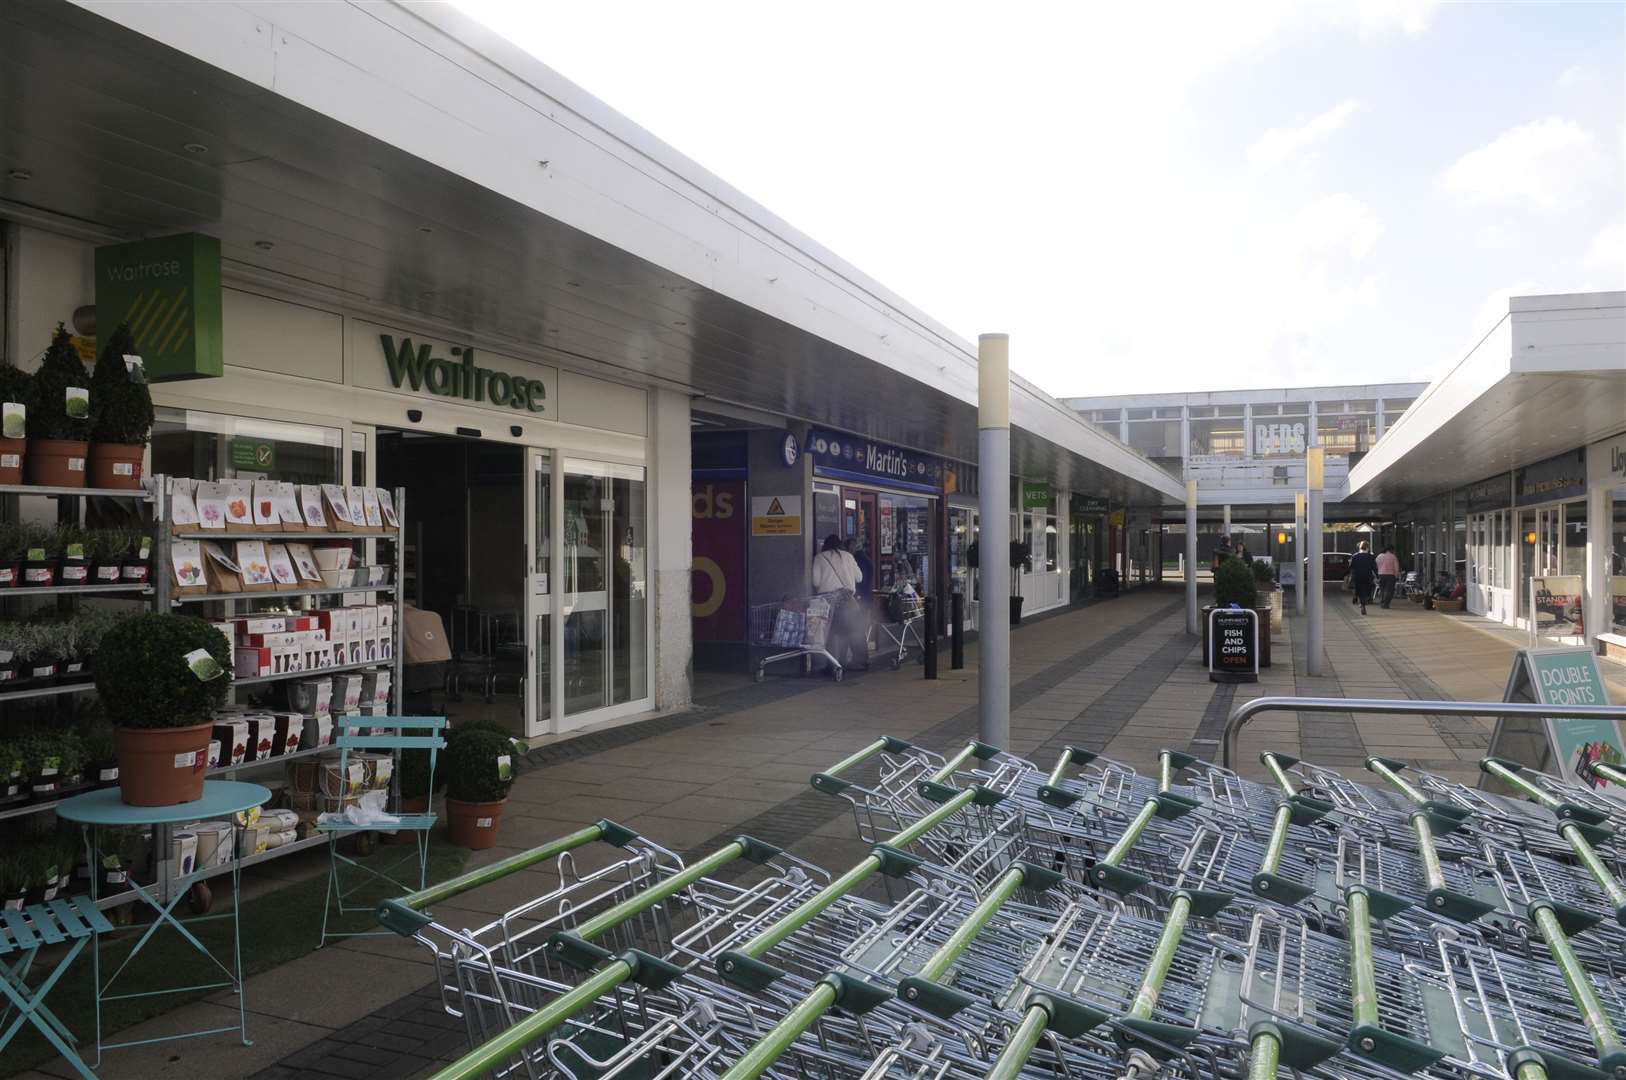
(22, 935)
(340, 892)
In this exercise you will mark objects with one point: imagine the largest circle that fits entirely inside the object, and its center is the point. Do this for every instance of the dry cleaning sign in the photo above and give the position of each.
(776, 515)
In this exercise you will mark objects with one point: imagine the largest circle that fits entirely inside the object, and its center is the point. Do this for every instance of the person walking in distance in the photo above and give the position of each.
(1363, 570)
(836, 571)
(1388, 575)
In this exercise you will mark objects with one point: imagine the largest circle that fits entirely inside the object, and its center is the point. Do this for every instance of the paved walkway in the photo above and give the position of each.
(1120, 676)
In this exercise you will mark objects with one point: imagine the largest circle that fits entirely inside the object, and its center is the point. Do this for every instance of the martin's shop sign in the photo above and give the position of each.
(168, 291)
(853, 458)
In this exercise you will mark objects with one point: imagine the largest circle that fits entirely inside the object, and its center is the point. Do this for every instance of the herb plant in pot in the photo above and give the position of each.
(161, 677)
(74, 566)
(123, 415)
(16, 401)
(479, 772)
(59, 422)
(14, 536)
(13, 880)
(40, 556)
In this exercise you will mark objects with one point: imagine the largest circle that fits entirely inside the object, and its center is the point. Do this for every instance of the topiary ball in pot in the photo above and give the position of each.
(1234, 584)
(479, 771)
(59, 423)
(161, 678)
(16, 401)
(123, 415)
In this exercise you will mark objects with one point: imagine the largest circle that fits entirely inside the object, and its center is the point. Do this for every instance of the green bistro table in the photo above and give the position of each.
(103, 809)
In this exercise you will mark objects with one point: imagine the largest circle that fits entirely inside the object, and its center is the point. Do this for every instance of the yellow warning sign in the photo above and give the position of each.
(776, 515)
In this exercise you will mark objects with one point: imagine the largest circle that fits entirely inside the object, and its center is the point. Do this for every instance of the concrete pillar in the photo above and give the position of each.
(1298, 551)
(1595, 586)
(994, 508)
(1314, 478)
(672, 551)
(1191, 558)
(1227, 528)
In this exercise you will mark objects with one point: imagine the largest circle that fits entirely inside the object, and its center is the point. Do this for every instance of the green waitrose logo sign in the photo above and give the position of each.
(168, 290)
(414, 366)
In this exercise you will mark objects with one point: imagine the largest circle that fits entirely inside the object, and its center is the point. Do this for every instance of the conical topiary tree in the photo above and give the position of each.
(122, 404)
(61, 369)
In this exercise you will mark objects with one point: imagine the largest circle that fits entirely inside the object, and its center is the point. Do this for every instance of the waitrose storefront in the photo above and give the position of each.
(533, 489)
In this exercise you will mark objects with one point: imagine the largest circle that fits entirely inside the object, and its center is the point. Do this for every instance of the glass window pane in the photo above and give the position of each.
(195, 444)
(605, 591)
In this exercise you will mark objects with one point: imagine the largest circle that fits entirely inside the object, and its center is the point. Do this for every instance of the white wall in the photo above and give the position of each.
(672, 525)
(48, 277)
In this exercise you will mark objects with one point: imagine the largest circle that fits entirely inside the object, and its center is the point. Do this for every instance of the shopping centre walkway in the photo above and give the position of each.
(1120, 676)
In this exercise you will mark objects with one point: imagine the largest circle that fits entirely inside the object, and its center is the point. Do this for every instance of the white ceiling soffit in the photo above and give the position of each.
(404, 156)
(1548, 378)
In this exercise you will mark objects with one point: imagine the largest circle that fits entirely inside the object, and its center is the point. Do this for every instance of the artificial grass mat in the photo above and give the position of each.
(277, 927)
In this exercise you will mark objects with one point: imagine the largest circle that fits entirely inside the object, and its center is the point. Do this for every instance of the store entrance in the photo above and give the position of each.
(465, 561)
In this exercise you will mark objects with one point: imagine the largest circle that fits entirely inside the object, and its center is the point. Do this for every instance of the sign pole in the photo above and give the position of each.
(1192, 626)
(994, 541)
(1314, 475)
(1298, 552)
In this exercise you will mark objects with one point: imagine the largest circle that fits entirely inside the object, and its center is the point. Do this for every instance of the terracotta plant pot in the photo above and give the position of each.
(116, 465)
(473, 824)
(162, 766)
(12, 452)
(57, 462)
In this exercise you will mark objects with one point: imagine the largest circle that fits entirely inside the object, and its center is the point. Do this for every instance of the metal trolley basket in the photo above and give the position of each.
(799, 627)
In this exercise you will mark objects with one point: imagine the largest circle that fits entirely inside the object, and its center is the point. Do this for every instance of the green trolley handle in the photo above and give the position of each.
(405, 914)
(744, 966)
(1612, 773)
(1428, 817)
(1556, 922)
(575, 948)
(1108, 872)
(1573, 826)
(829, 780)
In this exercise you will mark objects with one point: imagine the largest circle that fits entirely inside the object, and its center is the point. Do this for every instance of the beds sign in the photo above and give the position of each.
(1562, 745)
(1233, 645)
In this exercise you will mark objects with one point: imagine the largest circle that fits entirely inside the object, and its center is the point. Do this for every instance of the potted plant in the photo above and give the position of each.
(101, 760)
(39, 556)
(11, 773)
(136, 568)
(105, 548)
(14, 536)
(47, 756)
(73, 568)
(161, 677)
(1264, 580)
(1233, 586)
(13, 640)
(13, 880)
(91, 625)
(1021, 559)
(479, 772)
(59, 423)
(16, 402)
(123, 415)
(48, 648)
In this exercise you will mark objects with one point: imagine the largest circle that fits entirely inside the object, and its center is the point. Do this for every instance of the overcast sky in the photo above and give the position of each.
(1153, 196)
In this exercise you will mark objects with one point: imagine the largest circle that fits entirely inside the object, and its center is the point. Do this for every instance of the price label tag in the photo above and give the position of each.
(204, 666)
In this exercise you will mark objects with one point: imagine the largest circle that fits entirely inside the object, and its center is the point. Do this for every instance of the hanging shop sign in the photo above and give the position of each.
(1606, 463)
(1233, 645)
(1036, 496)
(168, 291)
(1561, 477)
(840, 456)
(776, 515)
(1087, 504)
(1563, 745)
(1491, 494)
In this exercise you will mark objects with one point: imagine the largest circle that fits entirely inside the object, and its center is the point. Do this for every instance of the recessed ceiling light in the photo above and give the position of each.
(19, 174)
(426, 228)
(195, 148)
(264, 245)
(680, 322)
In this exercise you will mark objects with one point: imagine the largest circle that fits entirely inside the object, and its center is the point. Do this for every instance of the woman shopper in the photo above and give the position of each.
(836, 572)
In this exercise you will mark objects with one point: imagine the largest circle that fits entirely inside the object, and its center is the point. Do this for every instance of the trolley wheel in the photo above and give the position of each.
(200, 898)
(838, 673)
(759, 676)
(896, 663)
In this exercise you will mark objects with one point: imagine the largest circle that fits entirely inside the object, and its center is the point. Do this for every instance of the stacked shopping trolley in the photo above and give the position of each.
(1080, 920)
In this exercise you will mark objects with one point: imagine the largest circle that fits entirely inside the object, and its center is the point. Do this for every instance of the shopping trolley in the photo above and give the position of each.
(799, 627)
(905, 611)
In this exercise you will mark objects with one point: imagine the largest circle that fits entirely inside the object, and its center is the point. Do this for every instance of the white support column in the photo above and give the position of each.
(1192, 626)
(1596, 601)
(994, 508)
(1314, 478)
(1298, 551)
(1247, 431)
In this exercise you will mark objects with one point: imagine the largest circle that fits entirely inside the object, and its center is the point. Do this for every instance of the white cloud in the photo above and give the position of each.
(1577, 75)
(1608, 250)
(1542, 161)
(1494, 236)
(1409, 16)
(1279, 145)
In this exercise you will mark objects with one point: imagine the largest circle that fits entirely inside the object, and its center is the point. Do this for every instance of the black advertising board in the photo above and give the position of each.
(1233, 645)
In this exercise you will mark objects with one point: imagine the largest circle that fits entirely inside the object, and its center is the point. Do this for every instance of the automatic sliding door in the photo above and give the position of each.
(604, 592)
(539, 594)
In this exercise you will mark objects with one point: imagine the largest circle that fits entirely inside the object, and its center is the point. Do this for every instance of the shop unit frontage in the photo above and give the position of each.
(532, 490)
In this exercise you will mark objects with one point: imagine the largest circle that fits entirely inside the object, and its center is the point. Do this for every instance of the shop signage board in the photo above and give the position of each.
(252, 455)
(1561, 477)
(1233, 645)
(168, 290)
(1036, 496)
(1278, 438)
(840, 456)
(388, 358)
(717, 588)
(1559, 744)
(1087, 504)
(1556, 600)
(1492, 494)
(776, 515)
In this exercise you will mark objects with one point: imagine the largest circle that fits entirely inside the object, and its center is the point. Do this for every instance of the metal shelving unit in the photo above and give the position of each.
(54, 690)
(283, 594)
(72, 590)
(336, 669)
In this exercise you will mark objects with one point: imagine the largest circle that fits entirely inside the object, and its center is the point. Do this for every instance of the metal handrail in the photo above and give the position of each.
(1405, 706)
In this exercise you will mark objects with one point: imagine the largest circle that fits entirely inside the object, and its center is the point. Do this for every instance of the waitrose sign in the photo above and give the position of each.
(383, 358)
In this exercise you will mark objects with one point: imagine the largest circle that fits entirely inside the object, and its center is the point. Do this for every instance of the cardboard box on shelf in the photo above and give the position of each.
(375, 688)
(233, 734)
(318, 731)
(335, 557)
(346, 692)
(313, 697)
(260, 624)
(261, 729)
(289, 734)
(252, 662)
